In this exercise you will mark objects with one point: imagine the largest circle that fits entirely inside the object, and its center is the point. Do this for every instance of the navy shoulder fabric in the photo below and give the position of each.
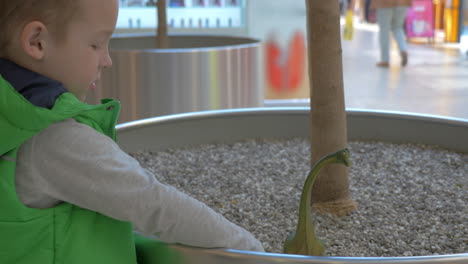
(37, 89)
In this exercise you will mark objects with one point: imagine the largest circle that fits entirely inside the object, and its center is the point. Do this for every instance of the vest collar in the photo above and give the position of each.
(20, 119)
(37, 89)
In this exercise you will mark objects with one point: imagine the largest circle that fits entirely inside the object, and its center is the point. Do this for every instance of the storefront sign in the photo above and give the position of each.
(420, 19)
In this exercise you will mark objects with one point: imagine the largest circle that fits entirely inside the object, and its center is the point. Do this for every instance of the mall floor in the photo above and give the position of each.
(434, 82)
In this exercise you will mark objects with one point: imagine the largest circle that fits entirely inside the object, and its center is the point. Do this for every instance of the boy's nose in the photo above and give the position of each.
(107, 61)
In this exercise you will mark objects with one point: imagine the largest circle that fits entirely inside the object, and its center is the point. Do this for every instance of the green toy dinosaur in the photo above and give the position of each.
(304, 241)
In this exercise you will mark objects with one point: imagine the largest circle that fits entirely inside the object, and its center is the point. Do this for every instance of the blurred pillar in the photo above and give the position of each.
(452, 20)
(439, 14)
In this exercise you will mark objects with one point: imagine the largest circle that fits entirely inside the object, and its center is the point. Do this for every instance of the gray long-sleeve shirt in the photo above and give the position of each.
(72, 162)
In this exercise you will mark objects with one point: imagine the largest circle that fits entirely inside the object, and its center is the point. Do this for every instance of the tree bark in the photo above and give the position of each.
(162, 40)
(328, 114)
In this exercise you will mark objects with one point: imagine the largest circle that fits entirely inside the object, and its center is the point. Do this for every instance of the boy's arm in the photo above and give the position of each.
(71, 162)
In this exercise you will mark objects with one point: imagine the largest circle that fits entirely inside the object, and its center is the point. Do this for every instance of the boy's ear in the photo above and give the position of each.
(34, 39)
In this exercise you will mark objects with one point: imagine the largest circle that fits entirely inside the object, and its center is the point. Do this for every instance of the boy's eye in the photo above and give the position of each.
(94, 47)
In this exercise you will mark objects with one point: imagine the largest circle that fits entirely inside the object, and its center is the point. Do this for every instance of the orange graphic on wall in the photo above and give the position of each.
(285, 69)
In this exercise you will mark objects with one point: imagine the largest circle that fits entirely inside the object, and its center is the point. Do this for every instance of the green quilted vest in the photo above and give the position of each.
(66, 233)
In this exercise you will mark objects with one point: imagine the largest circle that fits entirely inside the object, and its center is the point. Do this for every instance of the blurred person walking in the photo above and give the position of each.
(391, 16)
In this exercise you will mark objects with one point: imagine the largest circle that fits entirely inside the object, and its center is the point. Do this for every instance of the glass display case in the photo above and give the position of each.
(194, 16)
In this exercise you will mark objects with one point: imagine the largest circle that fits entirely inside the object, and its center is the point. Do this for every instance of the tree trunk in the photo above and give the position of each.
(328, 115)
(162, 40)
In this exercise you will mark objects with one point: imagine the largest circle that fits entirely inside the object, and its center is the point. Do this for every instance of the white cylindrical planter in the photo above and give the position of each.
(196, 73)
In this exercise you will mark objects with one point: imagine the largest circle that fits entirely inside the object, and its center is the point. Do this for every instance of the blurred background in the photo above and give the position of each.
(435, 81)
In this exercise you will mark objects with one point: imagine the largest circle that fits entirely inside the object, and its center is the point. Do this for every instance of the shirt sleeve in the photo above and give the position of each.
(72, 162)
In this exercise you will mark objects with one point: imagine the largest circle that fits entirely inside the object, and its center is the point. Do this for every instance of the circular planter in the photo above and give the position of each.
(196, 73)
(239, 124)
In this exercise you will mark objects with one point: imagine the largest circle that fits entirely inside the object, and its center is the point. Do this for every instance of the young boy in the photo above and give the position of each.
(68, 193)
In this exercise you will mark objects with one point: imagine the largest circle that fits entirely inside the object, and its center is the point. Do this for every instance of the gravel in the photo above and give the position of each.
(412, 198)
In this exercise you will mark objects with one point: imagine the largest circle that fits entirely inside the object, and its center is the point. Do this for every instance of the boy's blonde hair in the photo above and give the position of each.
(55, 14)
